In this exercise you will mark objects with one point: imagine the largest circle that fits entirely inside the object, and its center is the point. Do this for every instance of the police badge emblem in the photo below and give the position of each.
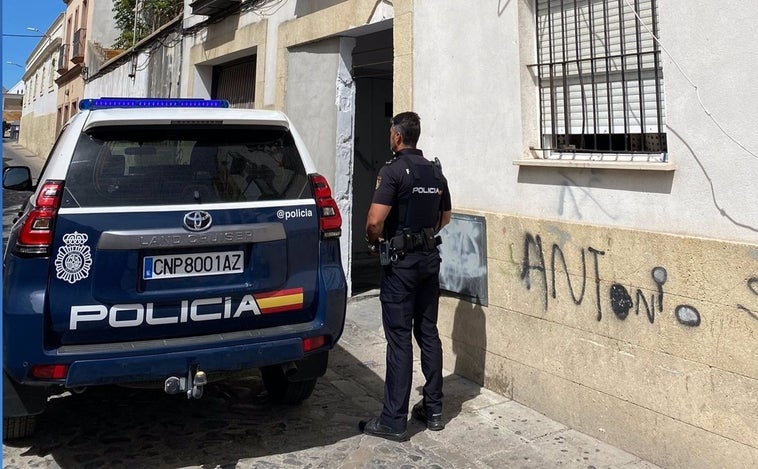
(74, 259)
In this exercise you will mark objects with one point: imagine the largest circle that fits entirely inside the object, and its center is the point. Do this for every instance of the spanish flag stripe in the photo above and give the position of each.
(279, 301)
(289, 291)
(280, 309)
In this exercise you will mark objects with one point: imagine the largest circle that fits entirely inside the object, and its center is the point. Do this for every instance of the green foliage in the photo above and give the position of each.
(151, 15)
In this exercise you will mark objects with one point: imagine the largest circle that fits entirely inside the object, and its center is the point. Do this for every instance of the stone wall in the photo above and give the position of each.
(646, 340)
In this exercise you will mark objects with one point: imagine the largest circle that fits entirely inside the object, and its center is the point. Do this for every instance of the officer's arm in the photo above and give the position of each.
(444, 219)
(377, 213)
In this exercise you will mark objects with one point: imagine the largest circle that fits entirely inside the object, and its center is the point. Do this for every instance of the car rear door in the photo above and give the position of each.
(180, 230)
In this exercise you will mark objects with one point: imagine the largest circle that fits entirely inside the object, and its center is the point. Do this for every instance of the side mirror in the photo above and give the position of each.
(17, 178)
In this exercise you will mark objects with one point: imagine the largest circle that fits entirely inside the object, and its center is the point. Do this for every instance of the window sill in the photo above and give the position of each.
(633, 165)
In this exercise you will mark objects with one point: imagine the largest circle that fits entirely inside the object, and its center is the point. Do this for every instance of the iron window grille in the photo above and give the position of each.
(600, 80)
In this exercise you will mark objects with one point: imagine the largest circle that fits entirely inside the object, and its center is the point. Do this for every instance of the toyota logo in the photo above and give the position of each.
(197, 220)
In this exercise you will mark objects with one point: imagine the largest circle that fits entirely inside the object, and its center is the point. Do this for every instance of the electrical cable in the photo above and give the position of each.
(692, 83)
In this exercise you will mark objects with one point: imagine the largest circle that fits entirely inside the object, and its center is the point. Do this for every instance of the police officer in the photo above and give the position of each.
(411, 203)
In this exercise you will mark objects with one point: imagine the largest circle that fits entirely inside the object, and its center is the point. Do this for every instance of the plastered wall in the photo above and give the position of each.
(642, 339)
(38, 133)
(475, 88)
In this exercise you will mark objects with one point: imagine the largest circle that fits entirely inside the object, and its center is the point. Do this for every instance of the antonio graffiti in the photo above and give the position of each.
(621, 300)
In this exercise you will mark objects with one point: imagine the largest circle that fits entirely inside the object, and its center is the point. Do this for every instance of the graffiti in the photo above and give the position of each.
(687, 315)
(534, 269)
(533, 247)
(464, 257)
(752, 285)
(621, 301)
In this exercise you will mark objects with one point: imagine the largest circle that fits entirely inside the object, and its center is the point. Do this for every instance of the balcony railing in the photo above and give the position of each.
(77, 52)
(62, 59)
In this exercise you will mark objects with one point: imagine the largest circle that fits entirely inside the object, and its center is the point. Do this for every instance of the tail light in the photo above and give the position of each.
(36, 235)
(49, 371)
(330, 220)
(312, 343)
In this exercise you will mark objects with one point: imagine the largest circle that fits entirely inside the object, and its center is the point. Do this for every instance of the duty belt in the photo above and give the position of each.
(423, 241)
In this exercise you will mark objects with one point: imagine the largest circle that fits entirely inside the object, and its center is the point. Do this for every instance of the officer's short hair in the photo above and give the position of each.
(408, 125)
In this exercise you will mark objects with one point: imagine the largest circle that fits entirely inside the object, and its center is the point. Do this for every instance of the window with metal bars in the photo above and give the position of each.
(600, 79)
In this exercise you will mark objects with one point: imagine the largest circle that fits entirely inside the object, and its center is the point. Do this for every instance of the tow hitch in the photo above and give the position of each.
(192, 384)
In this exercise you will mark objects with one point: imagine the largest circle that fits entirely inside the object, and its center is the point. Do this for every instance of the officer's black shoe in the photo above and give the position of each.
(373, 427)
(433, 422)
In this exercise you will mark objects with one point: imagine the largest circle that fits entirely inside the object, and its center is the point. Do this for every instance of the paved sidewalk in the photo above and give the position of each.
(483, 429)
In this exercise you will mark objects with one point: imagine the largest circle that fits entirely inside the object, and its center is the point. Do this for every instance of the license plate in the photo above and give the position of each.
(193, 265)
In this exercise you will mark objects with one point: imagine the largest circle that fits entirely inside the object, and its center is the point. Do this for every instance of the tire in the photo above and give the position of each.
(283, 391)
(19, 427)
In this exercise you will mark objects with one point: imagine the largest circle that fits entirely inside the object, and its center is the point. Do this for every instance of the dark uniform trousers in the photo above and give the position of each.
(409, 295)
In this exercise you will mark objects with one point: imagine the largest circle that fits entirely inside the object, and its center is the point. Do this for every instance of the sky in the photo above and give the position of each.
(18, 42)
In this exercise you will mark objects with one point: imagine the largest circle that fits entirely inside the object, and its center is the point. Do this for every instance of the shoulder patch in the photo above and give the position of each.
(378, 182)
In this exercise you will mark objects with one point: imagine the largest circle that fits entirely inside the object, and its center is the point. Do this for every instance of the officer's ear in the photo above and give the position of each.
(397, 138)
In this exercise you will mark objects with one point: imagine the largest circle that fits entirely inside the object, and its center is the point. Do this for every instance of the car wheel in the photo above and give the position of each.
(19, 427)
(283, 391)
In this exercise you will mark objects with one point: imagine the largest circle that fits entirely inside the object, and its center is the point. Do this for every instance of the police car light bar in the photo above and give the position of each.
(108, 103)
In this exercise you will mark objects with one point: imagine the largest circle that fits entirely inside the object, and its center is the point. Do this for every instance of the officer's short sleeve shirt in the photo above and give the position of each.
(395, 181)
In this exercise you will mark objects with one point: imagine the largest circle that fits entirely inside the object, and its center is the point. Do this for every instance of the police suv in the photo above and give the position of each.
(169, 243)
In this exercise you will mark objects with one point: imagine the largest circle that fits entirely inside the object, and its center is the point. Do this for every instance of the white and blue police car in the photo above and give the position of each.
(169, 242)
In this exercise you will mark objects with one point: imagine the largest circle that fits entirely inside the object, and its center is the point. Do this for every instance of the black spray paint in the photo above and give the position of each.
(533, 250)
(621, 300)
(752, 285)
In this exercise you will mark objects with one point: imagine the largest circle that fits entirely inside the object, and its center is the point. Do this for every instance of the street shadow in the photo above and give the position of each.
(124, 427)
(234, 421)
(115, 427)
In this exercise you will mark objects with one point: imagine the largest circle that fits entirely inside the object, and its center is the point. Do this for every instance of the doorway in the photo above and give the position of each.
(372, 72)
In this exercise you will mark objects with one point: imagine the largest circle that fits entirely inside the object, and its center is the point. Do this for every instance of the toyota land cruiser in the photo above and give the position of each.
(169, 242)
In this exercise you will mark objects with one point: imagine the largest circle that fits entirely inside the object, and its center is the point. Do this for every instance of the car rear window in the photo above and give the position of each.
(132, 165)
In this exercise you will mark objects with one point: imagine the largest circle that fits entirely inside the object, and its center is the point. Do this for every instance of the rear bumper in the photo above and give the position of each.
(156, 360)
(159, 366)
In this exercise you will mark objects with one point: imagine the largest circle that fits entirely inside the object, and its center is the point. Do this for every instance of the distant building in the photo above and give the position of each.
(38, 120)
(12, 102)
(88, 26)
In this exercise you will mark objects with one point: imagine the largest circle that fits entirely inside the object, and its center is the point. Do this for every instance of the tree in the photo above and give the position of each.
(151, 15)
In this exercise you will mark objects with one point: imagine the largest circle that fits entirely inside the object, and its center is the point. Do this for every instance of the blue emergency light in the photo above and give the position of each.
(109, 103)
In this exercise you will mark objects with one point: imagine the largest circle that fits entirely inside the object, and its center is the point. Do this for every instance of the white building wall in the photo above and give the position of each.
(621, 302)
(711, 117)
(118, 82)
(466, 91)
(100, 23)
(475, 94)
(39, 111)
